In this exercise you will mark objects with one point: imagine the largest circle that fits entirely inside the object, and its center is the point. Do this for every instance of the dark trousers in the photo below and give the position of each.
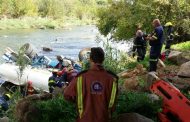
(141, 51)
(168, 45)
(155, 52)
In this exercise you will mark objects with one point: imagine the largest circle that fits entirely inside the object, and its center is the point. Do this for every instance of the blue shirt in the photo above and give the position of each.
(159, 34)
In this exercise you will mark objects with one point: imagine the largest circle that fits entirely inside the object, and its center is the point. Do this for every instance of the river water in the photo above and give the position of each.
(66, 42)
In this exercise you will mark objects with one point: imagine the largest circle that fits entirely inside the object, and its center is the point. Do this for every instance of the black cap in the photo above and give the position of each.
(97, 55)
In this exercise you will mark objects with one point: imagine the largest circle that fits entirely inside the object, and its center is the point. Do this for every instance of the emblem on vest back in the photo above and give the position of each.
(96, 87)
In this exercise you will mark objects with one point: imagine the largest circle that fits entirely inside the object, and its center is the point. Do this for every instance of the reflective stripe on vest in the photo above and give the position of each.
(113, 94)
(153, 59)
(51, 81)
(79, 96)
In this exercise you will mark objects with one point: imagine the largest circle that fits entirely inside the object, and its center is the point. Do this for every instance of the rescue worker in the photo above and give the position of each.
(52, 81)
(169, 37)
(93, 90)
(30, 88)
(67, 74)
(156, 41)
(139, 46)
(3, 102)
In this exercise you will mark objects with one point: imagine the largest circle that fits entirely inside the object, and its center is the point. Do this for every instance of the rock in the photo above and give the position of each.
(177, 57)
(153, 97)
(26, 111)
(151, 78)
(180, 83)
(4, 119)
(47, 49)
(138, 70)
(184, 70)
(132, 117)
(131, 83)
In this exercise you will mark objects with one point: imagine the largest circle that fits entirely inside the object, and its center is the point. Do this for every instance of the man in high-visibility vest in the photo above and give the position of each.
(156, 41)
(94, 90)
(169, 36)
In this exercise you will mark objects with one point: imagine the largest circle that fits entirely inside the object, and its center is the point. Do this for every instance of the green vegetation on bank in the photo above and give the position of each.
(41, 23)
(47, 13)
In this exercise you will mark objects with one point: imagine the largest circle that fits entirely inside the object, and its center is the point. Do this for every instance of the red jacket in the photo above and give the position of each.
(97, 86)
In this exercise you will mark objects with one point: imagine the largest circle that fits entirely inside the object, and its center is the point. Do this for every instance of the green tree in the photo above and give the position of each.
(121, 18)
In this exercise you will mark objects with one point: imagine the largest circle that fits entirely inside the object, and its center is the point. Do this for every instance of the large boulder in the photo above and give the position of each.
(131, 83)
(132, 117)
(177, 57)
(26, 111)
(184, 70)
(138, 70)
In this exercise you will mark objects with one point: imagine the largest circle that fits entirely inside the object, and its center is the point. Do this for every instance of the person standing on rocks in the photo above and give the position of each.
(139, 46)
(93, 90)
(155, 41)
(169, 36)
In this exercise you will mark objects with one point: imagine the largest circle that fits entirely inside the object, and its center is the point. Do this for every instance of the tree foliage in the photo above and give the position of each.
(121, 18)
(50, 8)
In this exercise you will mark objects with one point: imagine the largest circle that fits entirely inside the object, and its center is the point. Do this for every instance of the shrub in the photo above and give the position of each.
(128, 102)
(56, 110)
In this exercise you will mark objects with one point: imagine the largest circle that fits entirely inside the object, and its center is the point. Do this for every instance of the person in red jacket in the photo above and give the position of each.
(94, 90)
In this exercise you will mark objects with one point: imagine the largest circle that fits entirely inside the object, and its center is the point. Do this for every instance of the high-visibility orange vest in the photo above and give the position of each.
(80, 96)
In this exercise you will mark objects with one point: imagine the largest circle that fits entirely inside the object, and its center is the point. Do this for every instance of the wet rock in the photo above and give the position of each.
(132, 117)
(26, 111)
(184, 70)
(177, 57)
(47, 49)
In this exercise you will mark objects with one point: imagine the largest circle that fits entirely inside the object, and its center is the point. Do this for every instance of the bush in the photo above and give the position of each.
(115, 60)
(128, 102)
(56, 110)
